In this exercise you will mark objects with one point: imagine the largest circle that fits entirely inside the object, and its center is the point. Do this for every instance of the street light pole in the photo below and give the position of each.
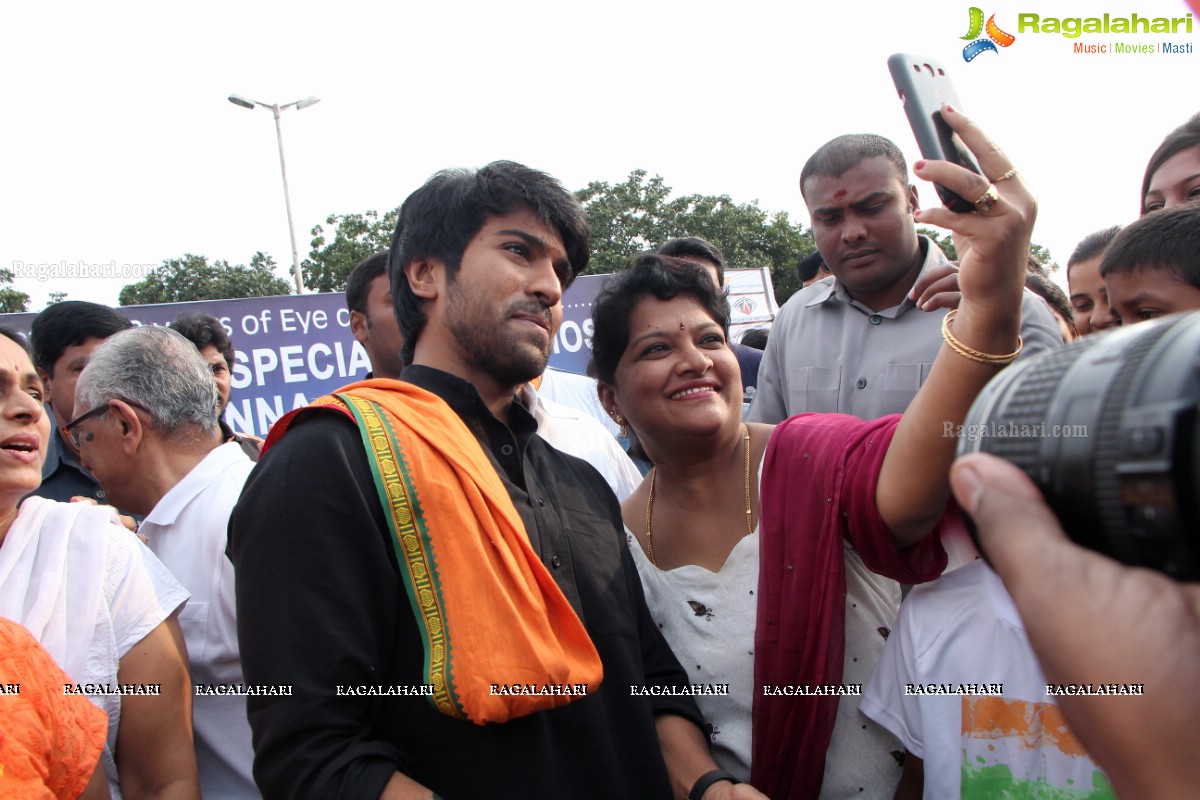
(276, 110)
(287, 202)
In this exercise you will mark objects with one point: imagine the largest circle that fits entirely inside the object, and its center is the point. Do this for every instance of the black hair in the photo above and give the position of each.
(1050, 291)
(838, 156)
(1185, 136)
(1167, 240)
(67, 324)
(1035, 267)
(808, 266)
(651, 275)
(358, 285)
(18, 338)
(203, 330)
(756, 338)
(692, 247)
(1092, 245)
(438, 221)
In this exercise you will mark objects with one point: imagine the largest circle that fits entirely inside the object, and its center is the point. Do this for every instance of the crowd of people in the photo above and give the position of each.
(443, 581)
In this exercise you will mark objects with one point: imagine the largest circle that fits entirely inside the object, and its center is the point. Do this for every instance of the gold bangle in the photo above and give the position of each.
(968, 352)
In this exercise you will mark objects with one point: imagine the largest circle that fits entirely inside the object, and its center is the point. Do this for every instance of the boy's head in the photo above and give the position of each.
(1152, 267)
(1056, 300)
(212, 340)
(700, 252)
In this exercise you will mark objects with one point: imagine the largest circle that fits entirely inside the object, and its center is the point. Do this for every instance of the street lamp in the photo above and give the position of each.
(246, 102)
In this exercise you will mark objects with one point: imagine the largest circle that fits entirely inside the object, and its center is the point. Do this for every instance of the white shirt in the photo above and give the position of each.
(579, 434)
(1013, 742)
(830, 353)
(187, 530)
(577, 392)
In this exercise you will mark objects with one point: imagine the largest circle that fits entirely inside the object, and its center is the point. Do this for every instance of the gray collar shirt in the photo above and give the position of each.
(829, 353)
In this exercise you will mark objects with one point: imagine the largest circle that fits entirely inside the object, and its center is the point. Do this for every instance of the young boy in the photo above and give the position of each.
(1152, 267)
(959, 685)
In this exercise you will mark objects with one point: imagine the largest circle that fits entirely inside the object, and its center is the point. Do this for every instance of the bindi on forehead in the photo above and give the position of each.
(18, 374)
(839, 194)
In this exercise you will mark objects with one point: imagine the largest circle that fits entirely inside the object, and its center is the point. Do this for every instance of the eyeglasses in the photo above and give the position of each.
(72, 427)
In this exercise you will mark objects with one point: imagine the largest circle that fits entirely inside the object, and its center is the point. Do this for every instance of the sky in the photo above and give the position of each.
(119, 149)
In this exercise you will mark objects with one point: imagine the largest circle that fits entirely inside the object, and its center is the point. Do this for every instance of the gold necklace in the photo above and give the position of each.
(749, 511)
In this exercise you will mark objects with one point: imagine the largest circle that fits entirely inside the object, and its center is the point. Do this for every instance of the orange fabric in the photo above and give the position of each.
(50, 743)
(488, 598)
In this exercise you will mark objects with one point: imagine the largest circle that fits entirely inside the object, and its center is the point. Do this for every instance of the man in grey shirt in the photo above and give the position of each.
(855, 343)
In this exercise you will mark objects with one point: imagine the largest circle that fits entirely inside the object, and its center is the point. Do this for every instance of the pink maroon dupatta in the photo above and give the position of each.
(818, 487)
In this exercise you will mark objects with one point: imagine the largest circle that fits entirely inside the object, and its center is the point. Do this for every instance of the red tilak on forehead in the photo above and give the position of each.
(839, 194)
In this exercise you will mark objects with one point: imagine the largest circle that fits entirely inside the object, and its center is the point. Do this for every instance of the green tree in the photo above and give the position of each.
(56, 297)
(355, 236)
(191, 277)
(943, 240)
(11, 300)
(1043, 256)
(638, 215)
(625, 219)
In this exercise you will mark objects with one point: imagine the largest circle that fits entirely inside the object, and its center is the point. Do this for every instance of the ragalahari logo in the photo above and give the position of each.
(995, 36)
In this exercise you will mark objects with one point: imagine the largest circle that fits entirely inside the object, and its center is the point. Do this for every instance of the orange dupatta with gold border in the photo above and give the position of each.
(488, 610)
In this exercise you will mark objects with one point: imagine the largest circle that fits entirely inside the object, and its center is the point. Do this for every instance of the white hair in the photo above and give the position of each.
(156, 368)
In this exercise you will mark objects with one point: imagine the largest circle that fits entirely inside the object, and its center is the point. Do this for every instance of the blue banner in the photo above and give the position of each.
(294, 348)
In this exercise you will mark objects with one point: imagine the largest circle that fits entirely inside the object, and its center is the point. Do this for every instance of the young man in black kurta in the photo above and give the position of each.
(320, 600)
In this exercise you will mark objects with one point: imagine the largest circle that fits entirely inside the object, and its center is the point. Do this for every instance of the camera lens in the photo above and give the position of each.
(1107, 429)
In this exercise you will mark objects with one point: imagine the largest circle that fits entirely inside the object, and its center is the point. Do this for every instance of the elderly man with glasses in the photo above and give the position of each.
(147, 429)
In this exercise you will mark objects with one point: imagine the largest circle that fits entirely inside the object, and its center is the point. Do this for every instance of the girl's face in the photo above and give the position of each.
(1176, 182)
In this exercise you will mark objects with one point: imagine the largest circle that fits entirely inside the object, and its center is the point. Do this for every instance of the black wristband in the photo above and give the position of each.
(708, 779)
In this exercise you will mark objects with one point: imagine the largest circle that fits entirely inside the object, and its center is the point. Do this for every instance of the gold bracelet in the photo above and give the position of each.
(968, 352)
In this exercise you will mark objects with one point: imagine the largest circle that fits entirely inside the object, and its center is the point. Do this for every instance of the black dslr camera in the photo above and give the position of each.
(1108, 430)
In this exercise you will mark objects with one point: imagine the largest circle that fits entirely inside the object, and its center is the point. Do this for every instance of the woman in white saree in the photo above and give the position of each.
(96, 599)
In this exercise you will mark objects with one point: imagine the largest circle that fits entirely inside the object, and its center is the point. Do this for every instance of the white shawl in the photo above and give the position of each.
(88, 591)
(52, 570)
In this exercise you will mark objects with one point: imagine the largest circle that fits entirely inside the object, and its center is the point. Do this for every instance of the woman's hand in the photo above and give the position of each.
(997, 234)
(914, 484)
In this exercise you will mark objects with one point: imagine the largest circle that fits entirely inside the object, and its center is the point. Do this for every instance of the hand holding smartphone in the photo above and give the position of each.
(923, 87)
